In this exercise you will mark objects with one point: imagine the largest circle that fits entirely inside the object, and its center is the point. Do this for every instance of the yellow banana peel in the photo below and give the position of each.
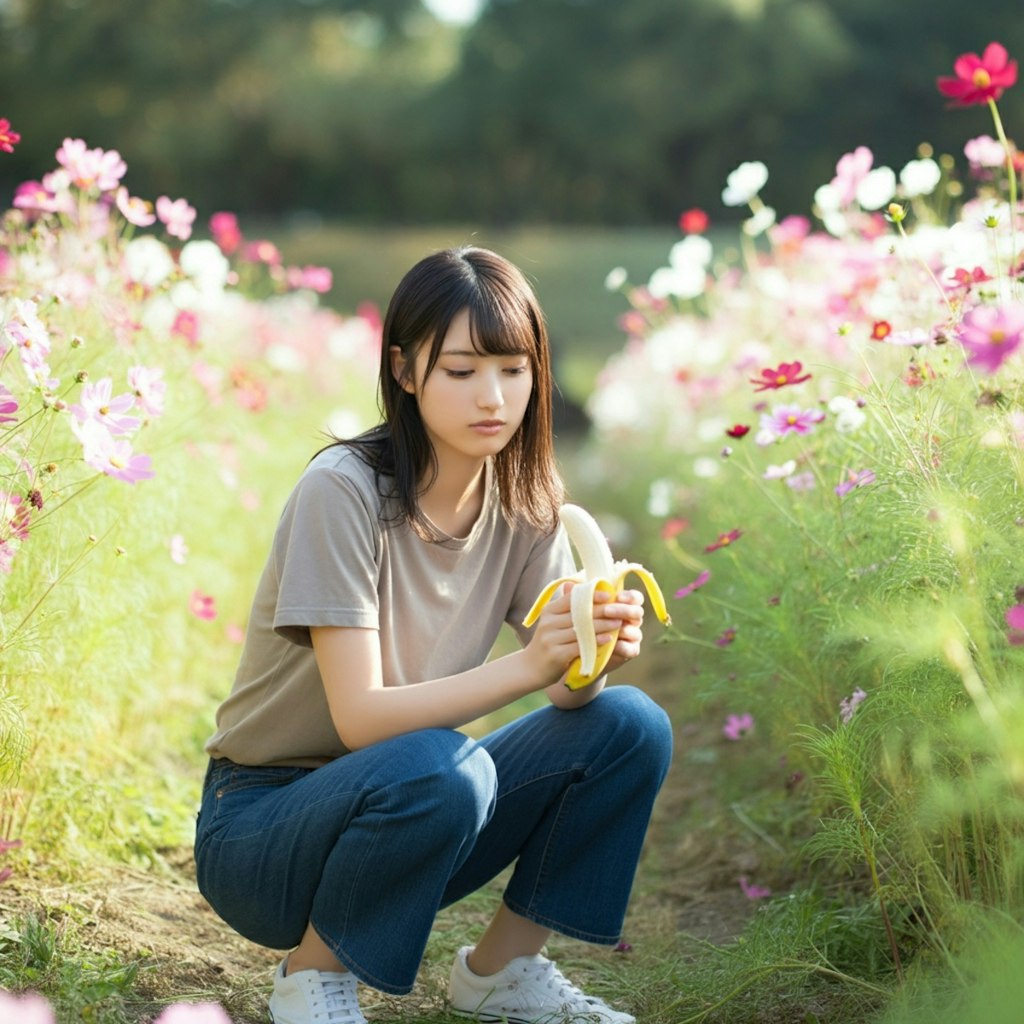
(600, 572)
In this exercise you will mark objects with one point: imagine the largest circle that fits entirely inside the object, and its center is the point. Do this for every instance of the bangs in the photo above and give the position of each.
(500, 327)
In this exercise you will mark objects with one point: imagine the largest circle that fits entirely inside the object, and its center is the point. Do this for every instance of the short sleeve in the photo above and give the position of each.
(550, 559)
(326, 556)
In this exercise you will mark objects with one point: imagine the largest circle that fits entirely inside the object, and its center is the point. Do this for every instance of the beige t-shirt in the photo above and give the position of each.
(438, 607)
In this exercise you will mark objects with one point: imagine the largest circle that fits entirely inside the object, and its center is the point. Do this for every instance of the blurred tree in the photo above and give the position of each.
(562, 110)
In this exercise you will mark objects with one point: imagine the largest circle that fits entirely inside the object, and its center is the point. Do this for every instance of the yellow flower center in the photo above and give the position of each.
(981, 78)
(781, 379)
(104, 409)
(997, 337)
(791, 420)
(116, 462)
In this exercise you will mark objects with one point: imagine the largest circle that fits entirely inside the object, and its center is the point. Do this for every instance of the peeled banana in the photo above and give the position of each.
(600, 572)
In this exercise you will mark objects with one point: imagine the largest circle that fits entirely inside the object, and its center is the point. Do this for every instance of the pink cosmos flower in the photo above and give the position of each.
(8, 405)
(851, 170)
(25, 1009)
(97, 404)
(186, 326)
(724, 540)
(225, 231)
(316, 279)
(753, 892)
(695, 585)
(791, 419)
(801, 481)
(111, 456)
(673, 527)
(31, 339)
(193, 1013)
(860, 479)
(848, 705)
(177, 216)
(985, 152)
(134, 210)
(51, 195)
(234, 633)
(262, 251)
(1015, 620)
(779, 377)
(737, 726)
(148, 389)
(789, 232)
(7, 553)
(991, 333)
(979, 79)
(203, 606)
(8, 137)
(91, 168)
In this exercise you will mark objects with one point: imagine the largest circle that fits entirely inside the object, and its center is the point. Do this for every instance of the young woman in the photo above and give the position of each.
(342, 808)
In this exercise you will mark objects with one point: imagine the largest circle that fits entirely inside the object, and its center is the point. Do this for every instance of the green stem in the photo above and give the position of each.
(1011, 174)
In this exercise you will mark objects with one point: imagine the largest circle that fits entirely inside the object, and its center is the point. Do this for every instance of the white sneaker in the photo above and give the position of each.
(315, 997)
(529, 990)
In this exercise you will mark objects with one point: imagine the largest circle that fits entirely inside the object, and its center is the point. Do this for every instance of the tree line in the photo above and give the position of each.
(570, 111)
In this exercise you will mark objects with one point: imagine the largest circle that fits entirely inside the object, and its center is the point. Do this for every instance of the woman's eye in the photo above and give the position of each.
(459, 374)
(516, 371)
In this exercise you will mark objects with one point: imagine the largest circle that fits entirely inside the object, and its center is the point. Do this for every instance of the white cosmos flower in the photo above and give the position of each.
(762, 220)
(744, 183)
(686, 281)
(919, 177)
(205, 264)
(877, 188)
(147, 261)
(692, 251)
(616, 278)
(849, 416)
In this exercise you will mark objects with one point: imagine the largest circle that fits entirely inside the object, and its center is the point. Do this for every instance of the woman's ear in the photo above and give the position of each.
(398, 369)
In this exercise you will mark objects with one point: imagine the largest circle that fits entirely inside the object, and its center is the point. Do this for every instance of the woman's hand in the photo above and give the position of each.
(624, 610)
(553, 645)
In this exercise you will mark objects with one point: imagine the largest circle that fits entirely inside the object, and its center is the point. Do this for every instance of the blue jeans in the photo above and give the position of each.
(370, 846)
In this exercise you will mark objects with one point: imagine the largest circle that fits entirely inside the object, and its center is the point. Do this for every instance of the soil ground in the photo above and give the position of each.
(687, 883)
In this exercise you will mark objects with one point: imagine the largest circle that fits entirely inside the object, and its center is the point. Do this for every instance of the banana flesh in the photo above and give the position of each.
(599, 572)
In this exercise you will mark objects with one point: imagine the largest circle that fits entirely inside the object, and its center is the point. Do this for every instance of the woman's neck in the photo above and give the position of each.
(455, 498)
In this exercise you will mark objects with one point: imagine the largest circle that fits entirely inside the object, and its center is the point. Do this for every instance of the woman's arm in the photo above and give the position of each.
(364, 711)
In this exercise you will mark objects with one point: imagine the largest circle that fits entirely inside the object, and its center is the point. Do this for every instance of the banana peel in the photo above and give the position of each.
(599, 572)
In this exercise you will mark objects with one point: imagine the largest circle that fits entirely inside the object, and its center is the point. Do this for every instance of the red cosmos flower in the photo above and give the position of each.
(785, 373)
(740, 430)
(724, 540)
(979, 79)
(880, 330)
(694, 222)
(8, 138)
(673, 527)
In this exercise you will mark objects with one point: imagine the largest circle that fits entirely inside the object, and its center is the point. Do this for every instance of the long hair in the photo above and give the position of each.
(505, 319)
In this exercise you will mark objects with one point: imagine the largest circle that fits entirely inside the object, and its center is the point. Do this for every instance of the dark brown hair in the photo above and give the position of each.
(505, 319)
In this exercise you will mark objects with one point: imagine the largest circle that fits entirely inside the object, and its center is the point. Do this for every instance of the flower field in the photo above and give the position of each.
(825, 438)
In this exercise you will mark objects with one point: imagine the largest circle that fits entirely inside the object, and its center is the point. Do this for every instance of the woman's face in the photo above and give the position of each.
(472, 403)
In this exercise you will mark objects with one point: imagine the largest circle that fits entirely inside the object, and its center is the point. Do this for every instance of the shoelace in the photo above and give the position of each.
(553, 979)
(341, 1002)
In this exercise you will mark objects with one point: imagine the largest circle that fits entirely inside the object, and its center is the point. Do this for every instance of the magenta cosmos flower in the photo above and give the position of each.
(695, 585)
(772, 379)
(979, 79)
(991, 333)
(1015, 620)
(8, 137)
(724, 540)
